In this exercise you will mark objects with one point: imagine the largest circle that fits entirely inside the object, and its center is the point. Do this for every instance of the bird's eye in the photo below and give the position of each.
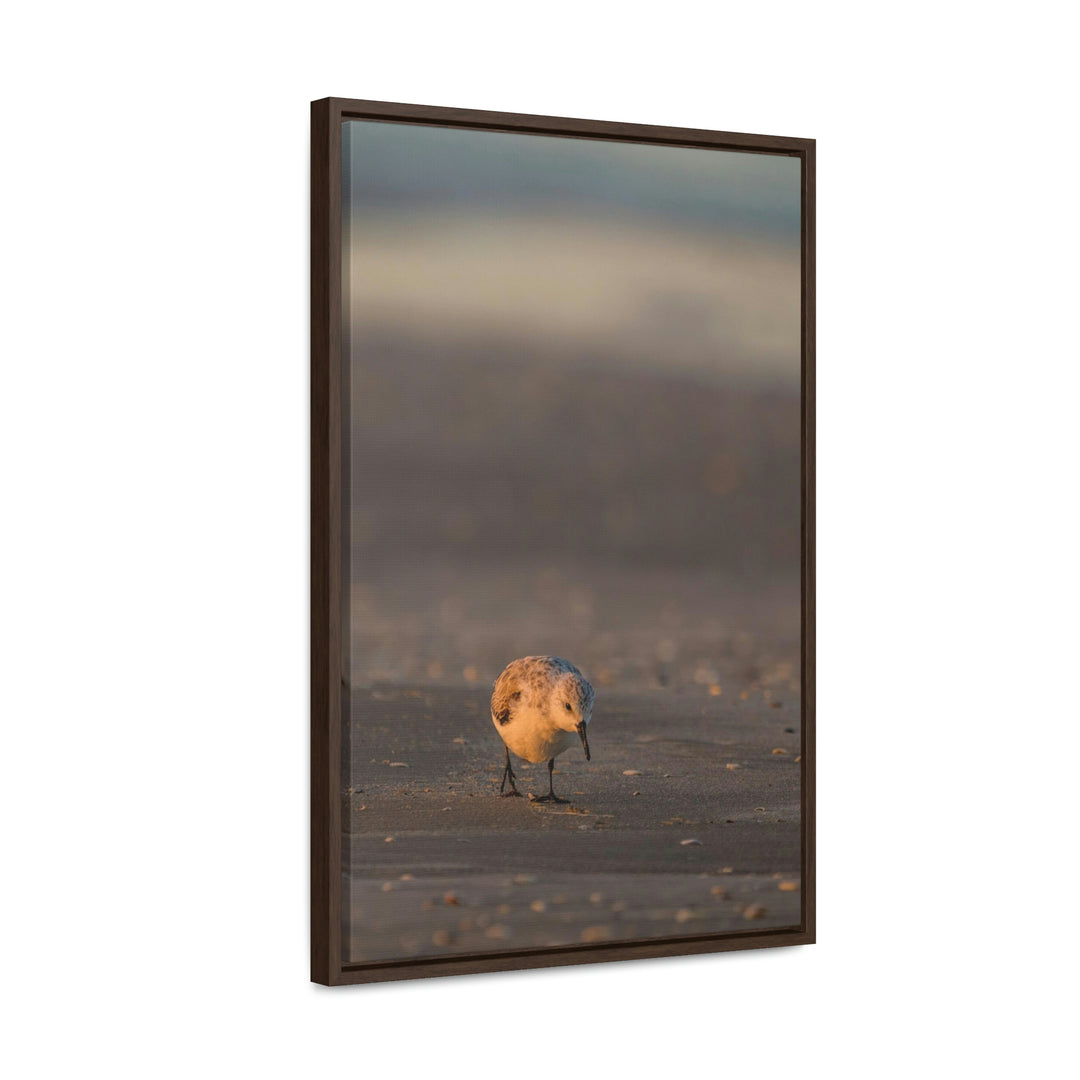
(568, 709)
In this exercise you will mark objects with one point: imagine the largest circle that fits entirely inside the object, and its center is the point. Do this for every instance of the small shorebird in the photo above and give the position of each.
(540, 706)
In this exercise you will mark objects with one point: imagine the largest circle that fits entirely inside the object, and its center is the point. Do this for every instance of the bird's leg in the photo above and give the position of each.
(508, 774)
(551, 796)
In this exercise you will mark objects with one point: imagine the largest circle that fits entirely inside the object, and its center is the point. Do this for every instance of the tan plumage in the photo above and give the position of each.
(540, 706)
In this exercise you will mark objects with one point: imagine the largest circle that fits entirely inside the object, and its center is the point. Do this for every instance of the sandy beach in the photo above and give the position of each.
(685, 822)
(508, 501)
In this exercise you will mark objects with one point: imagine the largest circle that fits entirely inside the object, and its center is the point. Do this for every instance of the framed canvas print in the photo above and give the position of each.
(562, 421)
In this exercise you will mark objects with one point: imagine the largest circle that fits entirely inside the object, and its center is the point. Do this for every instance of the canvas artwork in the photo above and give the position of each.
(573, 569)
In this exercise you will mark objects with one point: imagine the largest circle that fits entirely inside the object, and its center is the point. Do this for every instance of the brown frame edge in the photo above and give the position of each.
(327, 539)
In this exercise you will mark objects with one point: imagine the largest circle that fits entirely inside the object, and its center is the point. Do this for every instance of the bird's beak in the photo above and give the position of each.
(584, 739)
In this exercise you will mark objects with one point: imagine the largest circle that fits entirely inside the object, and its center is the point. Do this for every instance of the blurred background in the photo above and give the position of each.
(575, 417)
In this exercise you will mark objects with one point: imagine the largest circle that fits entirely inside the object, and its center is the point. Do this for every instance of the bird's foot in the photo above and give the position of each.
(548, 798)
(512, 793)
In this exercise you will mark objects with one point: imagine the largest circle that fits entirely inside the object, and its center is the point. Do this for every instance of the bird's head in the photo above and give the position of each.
(572, 705)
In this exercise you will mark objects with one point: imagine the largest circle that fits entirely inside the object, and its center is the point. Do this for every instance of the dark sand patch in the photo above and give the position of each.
(439, 864)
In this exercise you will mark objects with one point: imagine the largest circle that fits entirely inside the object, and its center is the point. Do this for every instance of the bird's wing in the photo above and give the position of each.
(590, 694)
(507, 690)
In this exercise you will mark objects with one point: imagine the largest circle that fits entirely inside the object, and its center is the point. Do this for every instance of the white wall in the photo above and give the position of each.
(153, 429)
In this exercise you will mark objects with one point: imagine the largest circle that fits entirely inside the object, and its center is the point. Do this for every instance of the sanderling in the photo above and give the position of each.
(538, 705)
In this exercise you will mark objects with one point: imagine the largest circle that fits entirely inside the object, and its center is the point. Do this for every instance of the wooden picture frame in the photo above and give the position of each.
(331, 621)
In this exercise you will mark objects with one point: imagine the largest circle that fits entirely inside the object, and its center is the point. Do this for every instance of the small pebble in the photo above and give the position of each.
(618, 906)
(406, 877)
(538, 906)
(731, 765)
(637, 792)
(631, 772)
(754, 911)
(726, 869)
(788, 886)
(595, 898)
(779, 750)
(760, 809)
(451, 899)
(398, 765)
(714, 690)
(595, 933)
(719, 892)
(503, 909)
(387, 886)
(440, 937)
(684, 843)
(525, 879)
(496, 932)
(389, 840)
(683, 915)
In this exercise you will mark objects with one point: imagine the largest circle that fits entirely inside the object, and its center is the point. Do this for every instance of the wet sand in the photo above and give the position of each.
(510, 499)
(685, 822)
